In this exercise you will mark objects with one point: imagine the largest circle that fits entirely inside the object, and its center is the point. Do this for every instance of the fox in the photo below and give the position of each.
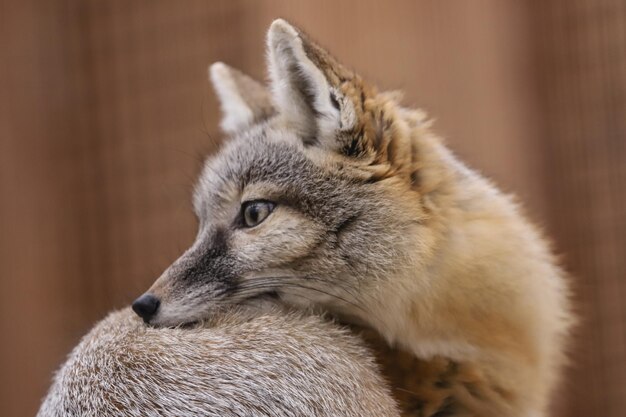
(277, 363)
(330, 196)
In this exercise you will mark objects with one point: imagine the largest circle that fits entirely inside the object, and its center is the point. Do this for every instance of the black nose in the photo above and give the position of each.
(146, 306)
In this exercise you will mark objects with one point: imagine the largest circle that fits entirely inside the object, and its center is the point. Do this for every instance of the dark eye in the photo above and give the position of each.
(254, 212)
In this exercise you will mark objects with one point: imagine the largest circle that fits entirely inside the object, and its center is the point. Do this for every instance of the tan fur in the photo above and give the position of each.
(378, 223)
(498, 302)
(235, 364)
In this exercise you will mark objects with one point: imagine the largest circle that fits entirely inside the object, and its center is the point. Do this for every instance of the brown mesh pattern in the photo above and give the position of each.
(582, 72)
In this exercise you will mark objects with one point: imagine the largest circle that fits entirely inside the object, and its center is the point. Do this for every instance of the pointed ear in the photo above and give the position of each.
(243, 100)
(312, 92)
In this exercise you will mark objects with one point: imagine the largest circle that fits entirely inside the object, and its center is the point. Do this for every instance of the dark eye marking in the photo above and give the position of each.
(255, 212)
(333, 101)
(345, 224)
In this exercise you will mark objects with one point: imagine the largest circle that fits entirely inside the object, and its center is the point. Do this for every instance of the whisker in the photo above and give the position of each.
(339, 285)
(355, 295)
(274, 283)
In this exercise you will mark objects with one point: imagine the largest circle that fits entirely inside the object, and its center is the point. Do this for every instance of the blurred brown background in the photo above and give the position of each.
(105, 114)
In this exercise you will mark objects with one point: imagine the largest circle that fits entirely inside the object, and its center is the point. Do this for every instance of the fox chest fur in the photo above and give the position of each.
(330, 196)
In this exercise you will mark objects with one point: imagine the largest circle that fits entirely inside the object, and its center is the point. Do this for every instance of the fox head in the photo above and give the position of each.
(318, 198)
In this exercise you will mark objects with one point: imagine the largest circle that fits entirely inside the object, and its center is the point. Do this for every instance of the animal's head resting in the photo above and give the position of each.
(315, 199)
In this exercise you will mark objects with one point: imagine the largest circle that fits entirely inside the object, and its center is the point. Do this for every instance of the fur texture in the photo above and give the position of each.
(274, 364)
(375, 221)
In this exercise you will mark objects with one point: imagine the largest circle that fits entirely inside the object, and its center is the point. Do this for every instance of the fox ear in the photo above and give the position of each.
(308, 86)
(244, 101)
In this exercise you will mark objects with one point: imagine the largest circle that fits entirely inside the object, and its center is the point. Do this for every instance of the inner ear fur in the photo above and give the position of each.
(314, 94)
(244, 101)
(331, 106)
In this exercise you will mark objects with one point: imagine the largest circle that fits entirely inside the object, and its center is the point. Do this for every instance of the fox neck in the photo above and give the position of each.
(476, 299)
(443, 298)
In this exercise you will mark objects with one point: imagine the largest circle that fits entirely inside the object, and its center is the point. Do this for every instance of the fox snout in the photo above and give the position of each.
(192, 286)
(146, 306)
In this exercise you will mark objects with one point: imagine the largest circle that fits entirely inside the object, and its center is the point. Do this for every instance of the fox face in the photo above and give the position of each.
(314, 201)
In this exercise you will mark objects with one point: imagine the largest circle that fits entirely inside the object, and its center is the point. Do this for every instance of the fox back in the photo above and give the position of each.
(331, 196)
(235, 364)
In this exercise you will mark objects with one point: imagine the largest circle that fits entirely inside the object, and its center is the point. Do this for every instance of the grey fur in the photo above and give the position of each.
(273, 364)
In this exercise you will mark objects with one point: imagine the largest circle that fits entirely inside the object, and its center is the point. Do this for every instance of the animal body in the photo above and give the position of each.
(331, 196)
(235, 364)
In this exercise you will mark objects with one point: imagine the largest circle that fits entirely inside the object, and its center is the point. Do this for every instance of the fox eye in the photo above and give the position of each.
(254, 212)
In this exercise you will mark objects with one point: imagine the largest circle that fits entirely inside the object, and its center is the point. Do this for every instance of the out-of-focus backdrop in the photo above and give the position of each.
(105, 115)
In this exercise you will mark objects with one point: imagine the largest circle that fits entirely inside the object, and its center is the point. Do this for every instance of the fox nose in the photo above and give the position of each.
(146, 306)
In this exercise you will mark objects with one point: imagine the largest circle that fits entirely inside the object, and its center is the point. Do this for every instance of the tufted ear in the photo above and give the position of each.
(243, 100)
(313, 93)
